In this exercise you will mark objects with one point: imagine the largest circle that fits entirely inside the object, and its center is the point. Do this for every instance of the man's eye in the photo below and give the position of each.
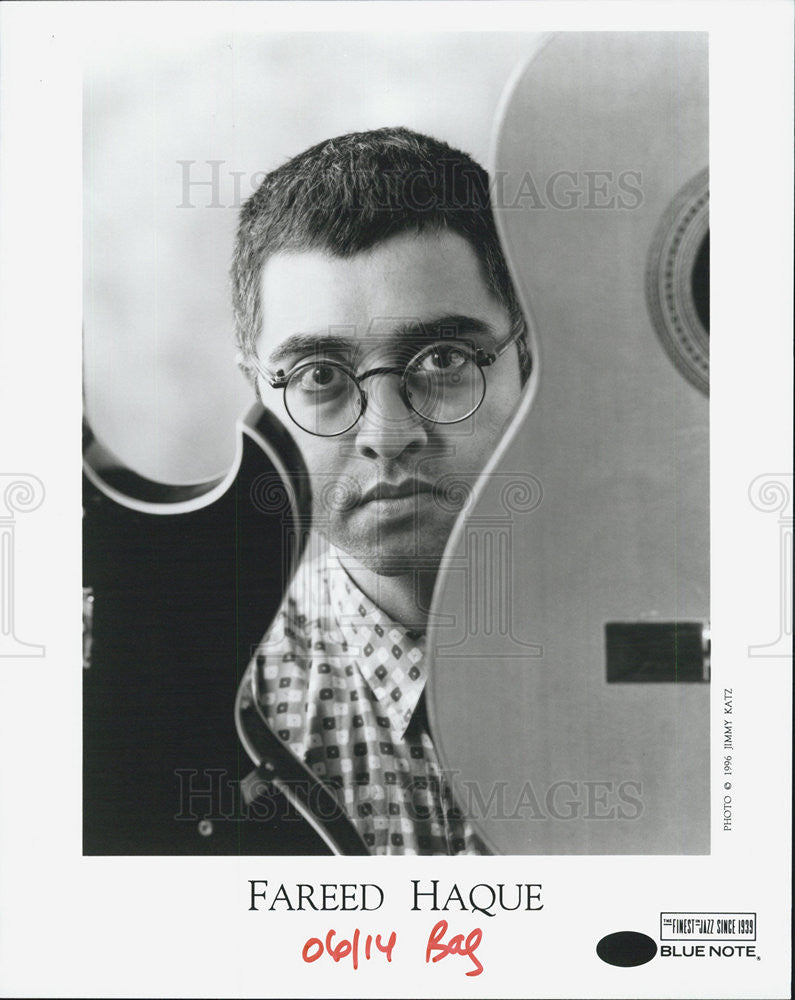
(319, 377)
(444, 358)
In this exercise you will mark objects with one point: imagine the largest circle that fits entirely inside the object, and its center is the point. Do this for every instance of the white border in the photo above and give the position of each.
(176, 927)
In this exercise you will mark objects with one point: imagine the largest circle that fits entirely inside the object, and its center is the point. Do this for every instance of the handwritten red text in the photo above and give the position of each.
(356, 946)
(457, 945)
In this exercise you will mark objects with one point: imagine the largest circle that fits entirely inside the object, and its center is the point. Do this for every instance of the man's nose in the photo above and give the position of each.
(388, 426)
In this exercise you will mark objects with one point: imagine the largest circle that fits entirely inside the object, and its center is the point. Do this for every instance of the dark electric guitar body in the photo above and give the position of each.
(569, 628)
(182, 582)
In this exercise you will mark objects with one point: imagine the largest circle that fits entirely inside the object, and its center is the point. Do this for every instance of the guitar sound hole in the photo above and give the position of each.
(677, 281)
(699, 283)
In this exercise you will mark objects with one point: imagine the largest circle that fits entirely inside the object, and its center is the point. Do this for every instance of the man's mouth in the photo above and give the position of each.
(396, 491)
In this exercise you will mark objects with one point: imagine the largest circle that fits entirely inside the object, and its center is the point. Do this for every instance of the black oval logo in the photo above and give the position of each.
(626, 948)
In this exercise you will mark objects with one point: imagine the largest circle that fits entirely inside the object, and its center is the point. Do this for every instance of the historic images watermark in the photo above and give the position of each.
(214, 795)
(771, 493)
(483, 567)
(20, 493)
(213, 184)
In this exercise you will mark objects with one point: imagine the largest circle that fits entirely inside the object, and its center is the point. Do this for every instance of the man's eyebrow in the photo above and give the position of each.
(448, 325)
(309, 343)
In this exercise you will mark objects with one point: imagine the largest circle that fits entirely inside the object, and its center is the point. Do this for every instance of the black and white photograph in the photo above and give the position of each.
(476, 515)
(401, 511)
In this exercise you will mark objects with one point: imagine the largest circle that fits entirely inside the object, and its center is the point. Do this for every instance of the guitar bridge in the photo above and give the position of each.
(657, 652)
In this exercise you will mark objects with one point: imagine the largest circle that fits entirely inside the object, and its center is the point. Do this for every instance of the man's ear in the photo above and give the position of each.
(249, 373)
(525, 359)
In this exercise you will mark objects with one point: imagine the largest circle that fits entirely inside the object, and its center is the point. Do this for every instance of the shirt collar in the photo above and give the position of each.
(388, 656)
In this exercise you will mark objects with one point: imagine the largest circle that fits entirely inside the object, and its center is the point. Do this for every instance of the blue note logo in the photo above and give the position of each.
(626, 949)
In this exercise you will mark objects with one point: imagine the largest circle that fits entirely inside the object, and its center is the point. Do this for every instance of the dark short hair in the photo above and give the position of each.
(346, 195)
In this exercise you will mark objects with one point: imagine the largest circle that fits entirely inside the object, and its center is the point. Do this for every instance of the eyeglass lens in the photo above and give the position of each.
(323, 399)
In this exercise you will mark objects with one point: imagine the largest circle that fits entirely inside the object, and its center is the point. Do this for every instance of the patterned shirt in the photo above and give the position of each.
(341, 684)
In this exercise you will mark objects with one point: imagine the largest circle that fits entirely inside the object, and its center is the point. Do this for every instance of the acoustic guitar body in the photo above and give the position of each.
(569, 629)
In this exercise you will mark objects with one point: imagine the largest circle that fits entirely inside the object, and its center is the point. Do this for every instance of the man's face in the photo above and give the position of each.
(371, 310)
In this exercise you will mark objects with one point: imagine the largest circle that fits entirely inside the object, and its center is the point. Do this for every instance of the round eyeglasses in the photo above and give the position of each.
(443, 382)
